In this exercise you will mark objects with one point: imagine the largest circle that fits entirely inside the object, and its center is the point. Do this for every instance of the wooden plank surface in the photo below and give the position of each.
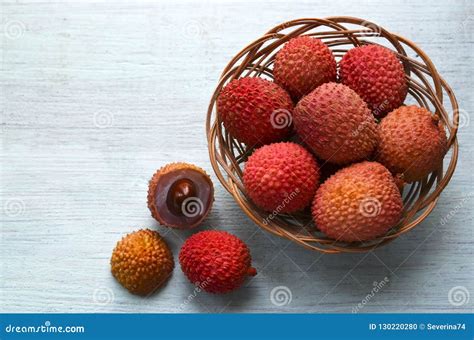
(96, 96)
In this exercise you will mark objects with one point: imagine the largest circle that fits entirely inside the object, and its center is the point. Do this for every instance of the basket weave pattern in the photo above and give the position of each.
(426, 88)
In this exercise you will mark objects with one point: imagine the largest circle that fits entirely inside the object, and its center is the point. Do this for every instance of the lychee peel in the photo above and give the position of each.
(358, 203)
(255, 111)
(216, 261)
(196, 205)
(412, 142)
(336, 124)
(377, 75)
(303, 64)
(281, 177)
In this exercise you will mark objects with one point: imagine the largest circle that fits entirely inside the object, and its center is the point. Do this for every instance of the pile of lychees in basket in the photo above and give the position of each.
(336, 139)
(349, 121)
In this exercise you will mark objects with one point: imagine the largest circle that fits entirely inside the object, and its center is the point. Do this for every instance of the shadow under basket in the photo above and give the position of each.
(426, 88)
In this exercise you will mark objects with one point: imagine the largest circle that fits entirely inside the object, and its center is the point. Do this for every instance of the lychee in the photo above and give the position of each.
(336, 124)
(142, 261)
(377, 75)
(255, 111)
(303, 64)
(358, 203)
(412, 142)
(180, 195)
(281, 177)
(216, 261)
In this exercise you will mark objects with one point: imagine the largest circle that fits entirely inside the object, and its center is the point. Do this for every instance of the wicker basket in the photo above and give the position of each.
(426, 88)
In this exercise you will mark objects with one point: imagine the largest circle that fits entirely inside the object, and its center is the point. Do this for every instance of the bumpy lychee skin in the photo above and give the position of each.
(180, 195)
(377, 75)
(358, 203)
(412, 142)
(336, 124)
(281, 177)
(303, 64)
(216, 261)
(255, 111)
(142, 261)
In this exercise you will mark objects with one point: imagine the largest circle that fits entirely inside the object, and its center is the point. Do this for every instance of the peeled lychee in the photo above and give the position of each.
(255, 111)
(281, 177)
(142, 261)
(377, 75)
(358, 203)
(216, 261)
(180, 195)
(303, 64)
(412, 142)
(336, 124)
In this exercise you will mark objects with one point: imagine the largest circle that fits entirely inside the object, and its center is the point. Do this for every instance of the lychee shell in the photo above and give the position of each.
(168, 168)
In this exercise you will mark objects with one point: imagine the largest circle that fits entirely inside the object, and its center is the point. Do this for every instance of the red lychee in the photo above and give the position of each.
(412, 142)
(303, 64)
(255, 111)
(377, 75)
(216, 261)
(336, 124)
(281, 177)
(358, 203)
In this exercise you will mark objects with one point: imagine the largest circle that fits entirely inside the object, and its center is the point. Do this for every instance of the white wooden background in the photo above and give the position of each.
(97, 95)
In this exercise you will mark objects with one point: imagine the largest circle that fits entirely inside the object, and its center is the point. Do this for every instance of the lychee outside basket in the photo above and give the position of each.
(426, 88)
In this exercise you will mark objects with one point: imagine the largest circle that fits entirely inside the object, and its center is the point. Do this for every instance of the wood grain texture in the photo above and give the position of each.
(96, 96)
